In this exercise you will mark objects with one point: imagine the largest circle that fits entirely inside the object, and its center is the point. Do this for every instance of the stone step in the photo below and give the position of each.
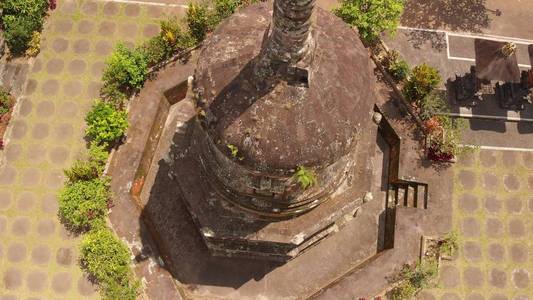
(411, 196)
(421, 196)
(400, 195)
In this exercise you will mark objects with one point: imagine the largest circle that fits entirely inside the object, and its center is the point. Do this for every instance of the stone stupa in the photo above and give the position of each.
(279, 86)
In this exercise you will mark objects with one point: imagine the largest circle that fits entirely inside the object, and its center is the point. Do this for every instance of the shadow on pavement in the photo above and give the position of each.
(455, 15)
(487, 125)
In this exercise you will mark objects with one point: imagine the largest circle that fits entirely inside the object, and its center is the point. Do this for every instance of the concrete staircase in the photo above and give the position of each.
(409, 194)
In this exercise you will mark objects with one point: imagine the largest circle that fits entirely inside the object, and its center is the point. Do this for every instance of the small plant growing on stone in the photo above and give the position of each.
(397, 66)
(200, 20)
(105, 124)
(412, 279)
(107, 259)
(449, 244)
(305, 177)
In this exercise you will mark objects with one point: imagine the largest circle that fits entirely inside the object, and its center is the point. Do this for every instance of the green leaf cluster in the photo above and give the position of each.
(83, 204)
(423, 80)
(200, 20)
(371, 17)
(105, 123)
(20, 19)
(305, 177)
(107, 259)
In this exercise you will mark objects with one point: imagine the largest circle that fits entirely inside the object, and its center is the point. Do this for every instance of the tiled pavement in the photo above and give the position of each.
(38, 258)
(493, 212)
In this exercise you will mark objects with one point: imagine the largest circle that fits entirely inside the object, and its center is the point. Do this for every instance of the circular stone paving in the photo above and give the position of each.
(45, 109)
(62, 26)
(81, 46)
(25, 106)
(470, 227)
(467, 179)
(509, 159)
(449, 276)
(16, 252)
(517, 228)
(150, 30)
(12, 279)
(518, 253)
(85, 27)
(26, 201)
(497, 278)
(40, 254)
(7, 175)
(36, 281)
(21, 226)
(89, 8)
(490, 181)
(521, 278)
(103, 48)
(106, 28)
(472, 251)
(54, 66)
(40, 131)
(473, 277)
(468, 203)
(60, 45)
(50, 87)
(513, 205)
(72, 88)
(77, 67)
(132, 10)
(46, 227)
(61, 282)
(488, 158)
(111, 9)
(511, 182)
(494, 228)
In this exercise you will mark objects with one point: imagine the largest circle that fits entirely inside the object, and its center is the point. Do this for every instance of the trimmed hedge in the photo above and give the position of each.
(107, 259)
(84, 204)
(105, 123)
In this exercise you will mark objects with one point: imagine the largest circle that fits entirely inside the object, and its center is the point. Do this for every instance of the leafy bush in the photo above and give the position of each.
(6, 101)
(114, 94)
(171, 38)
(305, 177)
(83, 204)
(200, 20)
(34, 45)
(225, 8)
(126, 68)
(397, 66)
(421, 83)
(107, 259)
(90, 167)
(414, 279)
(105, 124)
(371, 17)
(20, 19)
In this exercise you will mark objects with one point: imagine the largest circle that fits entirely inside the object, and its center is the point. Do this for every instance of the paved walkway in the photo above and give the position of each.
(493, 213)
(38, 258)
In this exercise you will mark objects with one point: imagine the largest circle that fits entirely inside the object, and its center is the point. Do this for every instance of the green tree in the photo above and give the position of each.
(371, 17)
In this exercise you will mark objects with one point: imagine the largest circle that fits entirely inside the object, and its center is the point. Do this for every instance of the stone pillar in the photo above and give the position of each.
(290, 38)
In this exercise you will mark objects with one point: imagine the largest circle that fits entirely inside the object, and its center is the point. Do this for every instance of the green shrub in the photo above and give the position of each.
(432, 105)
(413, 279)
(371, 17)
(114, 94)
(126, 68)
(107, 259)
(423, 80)
(200, 20)
(89, 167)
(172, 38)
(105, 123)
(20, 19)
(225, 8)
(6, 101)
(83, 204)
(449, 244)
(399, 69)
(18, 32)
(305, 177)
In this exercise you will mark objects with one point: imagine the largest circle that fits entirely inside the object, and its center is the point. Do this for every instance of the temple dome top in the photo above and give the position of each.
(297, 119)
